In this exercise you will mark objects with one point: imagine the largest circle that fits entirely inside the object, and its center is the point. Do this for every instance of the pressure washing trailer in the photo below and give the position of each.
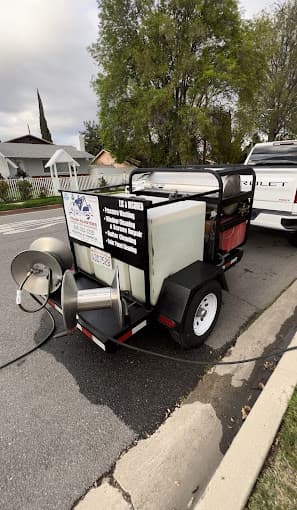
(156, 252)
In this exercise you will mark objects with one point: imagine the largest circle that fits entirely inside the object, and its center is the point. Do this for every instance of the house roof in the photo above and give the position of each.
(39, 151)
(61, 156)
(111, 160)
(28, 138)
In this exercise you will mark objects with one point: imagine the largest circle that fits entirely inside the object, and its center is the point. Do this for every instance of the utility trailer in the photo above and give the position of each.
(156, 252)
(169, 244)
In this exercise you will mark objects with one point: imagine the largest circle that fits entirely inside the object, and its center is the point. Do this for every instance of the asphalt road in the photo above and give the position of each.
(68, 410)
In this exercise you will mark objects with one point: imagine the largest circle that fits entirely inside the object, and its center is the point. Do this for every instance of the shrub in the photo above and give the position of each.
(43, 193)
(25, 189)
(4, 189)
(102, 182)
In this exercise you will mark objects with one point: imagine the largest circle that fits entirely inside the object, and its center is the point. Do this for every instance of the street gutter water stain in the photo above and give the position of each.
(228, 409)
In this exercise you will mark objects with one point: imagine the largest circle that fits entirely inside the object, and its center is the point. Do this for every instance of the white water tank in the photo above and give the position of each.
(83, 258)
(175, 240)
(106, 275)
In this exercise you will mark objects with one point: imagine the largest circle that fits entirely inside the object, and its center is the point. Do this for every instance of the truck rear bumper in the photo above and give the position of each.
(275, 220)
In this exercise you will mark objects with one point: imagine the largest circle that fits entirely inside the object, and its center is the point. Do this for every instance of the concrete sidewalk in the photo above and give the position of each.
(171, 469)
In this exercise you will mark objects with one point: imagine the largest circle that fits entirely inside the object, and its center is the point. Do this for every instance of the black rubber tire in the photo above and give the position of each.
(187, 338)
(292, 238)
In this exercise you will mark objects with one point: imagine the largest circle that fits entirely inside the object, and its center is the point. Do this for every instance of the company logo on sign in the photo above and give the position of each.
(81, 206)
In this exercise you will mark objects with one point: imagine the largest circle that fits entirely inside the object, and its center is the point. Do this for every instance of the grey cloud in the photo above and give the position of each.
(57, 62)
(43, 45)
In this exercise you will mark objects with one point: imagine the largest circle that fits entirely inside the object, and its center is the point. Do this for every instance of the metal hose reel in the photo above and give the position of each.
(47, 257)
(74, 300)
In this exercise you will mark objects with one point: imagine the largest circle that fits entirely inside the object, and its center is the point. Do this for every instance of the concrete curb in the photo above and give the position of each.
(173, 468)
(30, 209)
(233, 481)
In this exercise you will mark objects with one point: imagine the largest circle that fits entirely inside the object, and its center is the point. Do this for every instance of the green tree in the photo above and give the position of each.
(224, 137)
(44, 130)
(92, 137)
(4, 190)
(164, 66)
(273, 110)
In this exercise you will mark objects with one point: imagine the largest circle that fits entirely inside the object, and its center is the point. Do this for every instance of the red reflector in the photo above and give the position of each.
(295, 200)
(87, 333)
(167, 322)
(125, 336)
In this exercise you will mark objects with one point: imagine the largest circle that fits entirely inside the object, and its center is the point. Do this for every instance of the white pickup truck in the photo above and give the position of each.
(275, 200)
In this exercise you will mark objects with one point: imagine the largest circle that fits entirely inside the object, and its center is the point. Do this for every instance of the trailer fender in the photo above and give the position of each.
(179, 288)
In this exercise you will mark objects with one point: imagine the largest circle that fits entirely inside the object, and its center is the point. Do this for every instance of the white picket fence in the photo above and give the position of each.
(43, 186)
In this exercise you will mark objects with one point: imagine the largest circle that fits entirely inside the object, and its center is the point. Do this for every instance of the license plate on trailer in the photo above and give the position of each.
(100, 257)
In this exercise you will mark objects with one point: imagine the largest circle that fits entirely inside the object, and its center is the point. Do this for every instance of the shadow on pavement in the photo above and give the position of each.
(140, 389)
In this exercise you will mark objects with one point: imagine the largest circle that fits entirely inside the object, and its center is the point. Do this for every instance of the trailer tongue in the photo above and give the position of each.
(158, 251)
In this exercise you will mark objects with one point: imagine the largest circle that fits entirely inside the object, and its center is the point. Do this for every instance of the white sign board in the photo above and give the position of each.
(83, 217)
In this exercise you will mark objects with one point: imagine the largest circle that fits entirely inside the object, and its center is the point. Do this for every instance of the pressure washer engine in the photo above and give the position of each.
(155, 252)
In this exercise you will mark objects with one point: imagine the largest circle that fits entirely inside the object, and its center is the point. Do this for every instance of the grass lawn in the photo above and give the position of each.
(33, 202)
(276, 488)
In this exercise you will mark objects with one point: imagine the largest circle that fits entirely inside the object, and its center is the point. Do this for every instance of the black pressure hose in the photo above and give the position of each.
(41, 307)
(20, 289)
(43, 341)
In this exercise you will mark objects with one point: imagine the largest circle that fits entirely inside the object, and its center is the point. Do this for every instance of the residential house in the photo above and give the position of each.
(30, 154)
(105, 164)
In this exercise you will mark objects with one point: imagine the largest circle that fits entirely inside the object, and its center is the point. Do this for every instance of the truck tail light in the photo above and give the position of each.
(295, 199)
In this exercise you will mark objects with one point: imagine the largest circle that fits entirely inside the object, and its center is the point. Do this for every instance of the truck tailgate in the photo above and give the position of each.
(275, 188)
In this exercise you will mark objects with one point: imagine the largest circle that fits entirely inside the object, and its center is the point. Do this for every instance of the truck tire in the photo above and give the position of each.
(292, 238)
(201, 316)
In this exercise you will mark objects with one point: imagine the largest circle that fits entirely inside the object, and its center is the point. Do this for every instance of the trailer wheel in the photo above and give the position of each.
(201, 317)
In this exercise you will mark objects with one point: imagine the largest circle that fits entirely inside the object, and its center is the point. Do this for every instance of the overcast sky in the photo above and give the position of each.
(43, 45)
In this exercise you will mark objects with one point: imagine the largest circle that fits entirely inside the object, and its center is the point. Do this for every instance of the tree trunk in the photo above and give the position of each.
(204, 151)
(204, 138)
